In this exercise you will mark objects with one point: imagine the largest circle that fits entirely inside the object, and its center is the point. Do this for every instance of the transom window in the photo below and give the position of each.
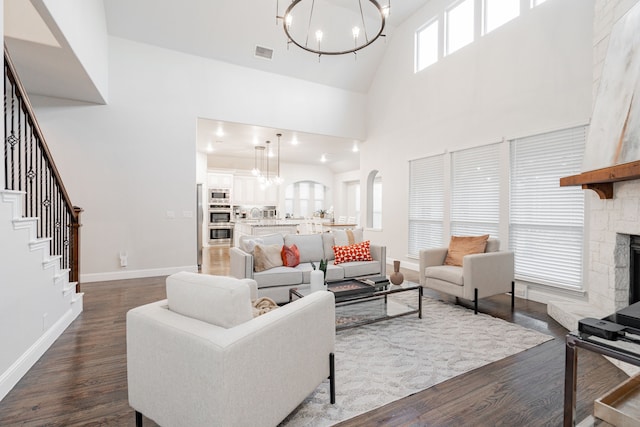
(459, 25)
(499, 12)
(427, 45)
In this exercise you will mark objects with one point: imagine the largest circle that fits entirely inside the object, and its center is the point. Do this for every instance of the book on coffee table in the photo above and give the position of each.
(377, 281)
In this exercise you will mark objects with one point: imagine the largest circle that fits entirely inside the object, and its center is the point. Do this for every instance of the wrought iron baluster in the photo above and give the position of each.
(29, 167)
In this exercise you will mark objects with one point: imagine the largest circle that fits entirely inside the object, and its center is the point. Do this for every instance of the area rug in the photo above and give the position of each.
(382, 362)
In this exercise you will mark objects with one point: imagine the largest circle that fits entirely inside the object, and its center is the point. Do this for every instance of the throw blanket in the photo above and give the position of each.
(263, 305)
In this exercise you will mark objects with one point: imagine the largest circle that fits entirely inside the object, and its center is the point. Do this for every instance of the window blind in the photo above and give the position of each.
(475, 191)
(426, 203)
(546, 220)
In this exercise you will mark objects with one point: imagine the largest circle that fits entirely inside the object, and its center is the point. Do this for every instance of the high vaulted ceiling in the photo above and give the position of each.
(229, 30)
(224, 30)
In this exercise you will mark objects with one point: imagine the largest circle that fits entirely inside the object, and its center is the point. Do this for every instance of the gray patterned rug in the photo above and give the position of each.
(382, 362)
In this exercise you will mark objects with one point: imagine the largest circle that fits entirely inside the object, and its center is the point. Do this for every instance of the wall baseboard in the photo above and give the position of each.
(403, 264)
(20, 367)
(135, 274)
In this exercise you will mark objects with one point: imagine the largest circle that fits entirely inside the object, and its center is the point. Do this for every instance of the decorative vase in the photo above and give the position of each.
(396, 277)
(317, 281)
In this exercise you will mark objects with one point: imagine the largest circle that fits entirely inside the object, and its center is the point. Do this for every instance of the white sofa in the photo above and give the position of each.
(185, 369)
(276, 282)
(481, 275)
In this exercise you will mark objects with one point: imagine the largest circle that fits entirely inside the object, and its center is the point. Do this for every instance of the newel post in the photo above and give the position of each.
(74, 275)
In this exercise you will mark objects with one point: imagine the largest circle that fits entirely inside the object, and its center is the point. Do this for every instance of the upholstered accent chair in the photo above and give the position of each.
(480, 275)
(200, 358)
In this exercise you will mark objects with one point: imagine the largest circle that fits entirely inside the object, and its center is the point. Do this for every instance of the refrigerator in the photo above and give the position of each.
(199, 223)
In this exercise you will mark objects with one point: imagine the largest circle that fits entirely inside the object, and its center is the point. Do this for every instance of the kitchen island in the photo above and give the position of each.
(263, 227)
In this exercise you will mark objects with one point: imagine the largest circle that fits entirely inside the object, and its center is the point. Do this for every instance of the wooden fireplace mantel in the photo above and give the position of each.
(601, 180)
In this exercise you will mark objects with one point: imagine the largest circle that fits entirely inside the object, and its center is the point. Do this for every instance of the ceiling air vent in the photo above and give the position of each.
(264, 52)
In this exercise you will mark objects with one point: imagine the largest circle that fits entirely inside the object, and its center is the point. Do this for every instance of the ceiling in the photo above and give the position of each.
(225, 30)
(239, 140)
(229, 30)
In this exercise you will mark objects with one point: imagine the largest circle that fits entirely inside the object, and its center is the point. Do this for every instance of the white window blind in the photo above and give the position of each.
(426, 203)
(475, 191)
(546, 220)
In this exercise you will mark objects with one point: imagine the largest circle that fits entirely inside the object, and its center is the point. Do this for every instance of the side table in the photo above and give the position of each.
(576, 340)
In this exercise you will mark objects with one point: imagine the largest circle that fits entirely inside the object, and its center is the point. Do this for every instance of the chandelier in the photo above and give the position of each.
(261, 169)
(354, 24)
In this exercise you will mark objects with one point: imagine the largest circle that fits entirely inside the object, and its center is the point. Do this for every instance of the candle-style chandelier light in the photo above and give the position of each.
(337, 28)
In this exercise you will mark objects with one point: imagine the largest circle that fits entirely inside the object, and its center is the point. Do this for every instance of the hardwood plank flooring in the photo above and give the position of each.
(81, 380)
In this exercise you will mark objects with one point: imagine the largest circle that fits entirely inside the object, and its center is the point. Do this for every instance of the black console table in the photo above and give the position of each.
(576, 340)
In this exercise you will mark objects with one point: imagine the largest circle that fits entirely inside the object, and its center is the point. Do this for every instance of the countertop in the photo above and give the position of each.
(267, 222)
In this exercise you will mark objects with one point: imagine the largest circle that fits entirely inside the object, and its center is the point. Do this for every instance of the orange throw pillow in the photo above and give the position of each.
(459, 246)
(290, 255)
(355, 252)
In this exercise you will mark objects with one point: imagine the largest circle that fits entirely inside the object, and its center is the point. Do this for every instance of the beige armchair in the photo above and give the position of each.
(481, 275)
(200, 358)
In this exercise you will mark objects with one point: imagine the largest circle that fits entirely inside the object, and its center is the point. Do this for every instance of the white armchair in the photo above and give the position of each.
(199, 358)
(481, 275)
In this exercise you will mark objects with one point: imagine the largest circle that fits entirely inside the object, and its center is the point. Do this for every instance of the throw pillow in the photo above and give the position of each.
(356, 252)
(266, 257)
(290, 256)
(248, 245)
(459, 246)
(348, 237)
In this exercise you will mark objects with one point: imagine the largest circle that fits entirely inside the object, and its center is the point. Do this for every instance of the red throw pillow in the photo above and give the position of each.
(355, 252)
(290, 256)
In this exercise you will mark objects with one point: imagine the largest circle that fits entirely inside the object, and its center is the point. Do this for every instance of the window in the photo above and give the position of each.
(499, 12)
(546, 220)
(426, 203)
(288, 199)
(303, 198)
(426, 46)
(377, 203)
(374, 200)
(459, 25)
(475, 191)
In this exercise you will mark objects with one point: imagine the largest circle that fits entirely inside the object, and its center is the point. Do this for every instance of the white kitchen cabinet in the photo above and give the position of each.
(247, 191)
(220, 180)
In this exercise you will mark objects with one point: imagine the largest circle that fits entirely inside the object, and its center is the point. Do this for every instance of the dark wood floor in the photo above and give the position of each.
(81, 380)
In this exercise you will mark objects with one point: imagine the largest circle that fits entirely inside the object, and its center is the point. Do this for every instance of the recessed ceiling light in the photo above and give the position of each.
(323, 158)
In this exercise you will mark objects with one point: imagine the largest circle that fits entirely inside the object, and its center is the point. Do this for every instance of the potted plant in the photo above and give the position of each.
(321, 213)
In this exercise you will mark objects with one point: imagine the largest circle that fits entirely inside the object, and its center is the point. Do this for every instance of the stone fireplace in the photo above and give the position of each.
(609, 225)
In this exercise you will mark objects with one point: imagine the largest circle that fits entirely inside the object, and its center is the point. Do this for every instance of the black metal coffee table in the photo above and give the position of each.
(358, 303)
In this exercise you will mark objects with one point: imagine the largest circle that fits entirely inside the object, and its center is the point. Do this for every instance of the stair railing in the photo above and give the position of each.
(29, 167)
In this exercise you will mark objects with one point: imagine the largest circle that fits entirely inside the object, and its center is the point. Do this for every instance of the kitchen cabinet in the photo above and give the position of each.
(247, 191)
(220, 180)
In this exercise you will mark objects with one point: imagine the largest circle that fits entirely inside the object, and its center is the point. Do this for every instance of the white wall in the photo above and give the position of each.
(340, 202)
(132, 161)
(531, 75)
(84, 27)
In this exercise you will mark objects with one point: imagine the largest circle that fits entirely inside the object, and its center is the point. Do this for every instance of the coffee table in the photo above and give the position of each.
(357, 308)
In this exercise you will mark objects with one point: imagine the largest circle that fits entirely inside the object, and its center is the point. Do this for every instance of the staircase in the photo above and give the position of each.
(39, 241)
(40, 245)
